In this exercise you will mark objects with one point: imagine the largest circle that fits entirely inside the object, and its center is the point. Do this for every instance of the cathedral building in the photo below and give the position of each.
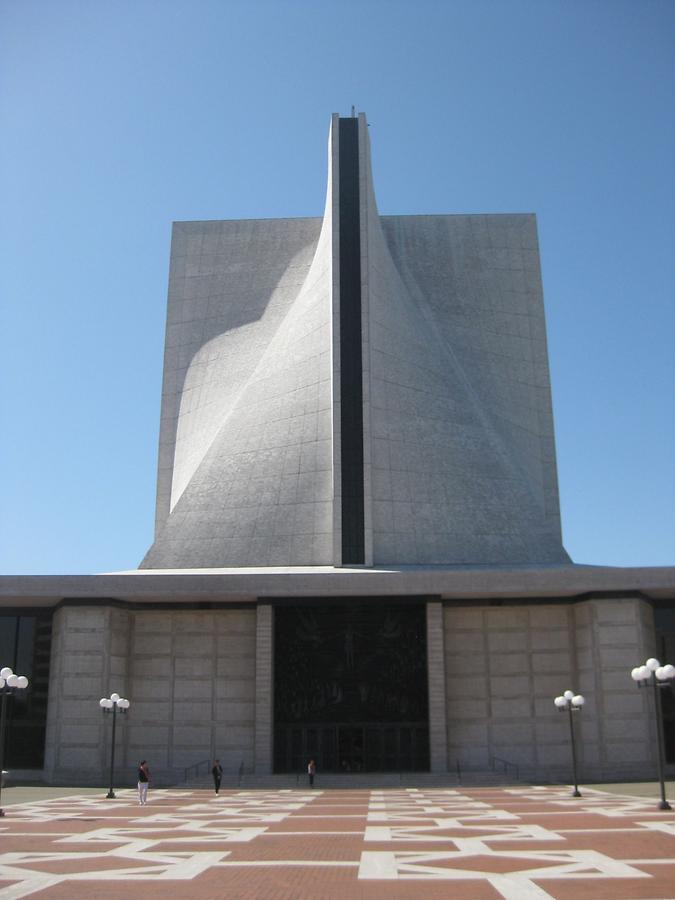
(357, 555)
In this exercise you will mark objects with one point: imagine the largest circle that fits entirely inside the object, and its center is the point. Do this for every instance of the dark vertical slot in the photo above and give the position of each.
(351, 361)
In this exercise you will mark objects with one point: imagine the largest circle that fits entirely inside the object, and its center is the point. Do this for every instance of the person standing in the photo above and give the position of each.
(217, 772)
(311, 771)
(143, 782)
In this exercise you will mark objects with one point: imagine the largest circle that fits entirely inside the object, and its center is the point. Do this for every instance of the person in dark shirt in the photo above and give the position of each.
(217, 772)
(143, 782)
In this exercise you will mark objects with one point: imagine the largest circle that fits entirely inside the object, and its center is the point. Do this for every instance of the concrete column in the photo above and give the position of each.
(264, 689)
(53, 731)
(438, 732)
(467, 669)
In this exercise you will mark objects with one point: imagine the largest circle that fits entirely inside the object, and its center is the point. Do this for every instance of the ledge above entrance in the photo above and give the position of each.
(248, 585)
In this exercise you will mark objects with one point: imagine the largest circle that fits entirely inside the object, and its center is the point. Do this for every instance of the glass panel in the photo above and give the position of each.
(390, 749)
(328, 756)
(665, 628)
(25, 650)
(25, 646)
(298, 763)
(421, 749)
(7, 640)
(373, 750)
(312, 743)
(350, 663)
(405, 745)
(345, 675)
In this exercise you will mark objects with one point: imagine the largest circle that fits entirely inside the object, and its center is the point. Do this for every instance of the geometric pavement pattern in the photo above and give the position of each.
(524, 843)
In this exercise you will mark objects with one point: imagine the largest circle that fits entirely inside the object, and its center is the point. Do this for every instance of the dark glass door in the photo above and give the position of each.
(25, 646)
(350, 688)
(351, 749)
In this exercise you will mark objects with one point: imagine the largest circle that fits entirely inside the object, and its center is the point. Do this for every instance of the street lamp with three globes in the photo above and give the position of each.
(652, 672)
(572, 703)
(113, 704)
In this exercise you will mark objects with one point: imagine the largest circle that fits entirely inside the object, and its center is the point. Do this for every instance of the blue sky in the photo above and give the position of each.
(118, 117)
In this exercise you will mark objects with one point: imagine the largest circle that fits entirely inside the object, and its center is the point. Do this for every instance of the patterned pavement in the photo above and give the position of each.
(524, 843)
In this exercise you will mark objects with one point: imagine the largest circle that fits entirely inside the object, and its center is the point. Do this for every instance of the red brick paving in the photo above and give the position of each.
(292, 844)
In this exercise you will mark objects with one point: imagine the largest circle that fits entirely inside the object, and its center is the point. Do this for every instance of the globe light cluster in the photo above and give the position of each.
(10, 680)
(569, 698)
(661, 673)
(113, 700)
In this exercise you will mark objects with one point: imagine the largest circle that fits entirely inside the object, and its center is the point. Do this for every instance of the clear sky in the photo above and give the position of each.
(118, 117)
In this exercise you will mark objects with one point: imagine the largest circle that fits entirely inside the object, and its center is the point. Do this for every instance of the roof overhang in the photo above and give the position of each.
(189, 586)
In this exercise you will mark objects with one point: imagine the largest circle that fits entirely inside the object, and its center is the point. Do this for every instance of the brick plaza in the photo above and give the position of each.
(517, 843)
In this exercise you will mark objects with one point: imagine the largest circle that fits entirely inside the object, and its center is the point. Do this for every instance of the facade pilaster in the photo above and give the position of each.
(438, 732)
(264, 689)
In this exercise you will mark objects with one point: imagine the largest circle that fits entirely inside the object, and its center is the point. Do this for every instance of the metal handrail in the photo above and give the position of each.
(506, 765)
(196, 767)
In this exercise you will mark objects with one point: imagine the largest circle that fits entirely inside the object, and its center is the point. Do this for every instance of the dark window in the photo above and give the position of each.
(665, 632)
(25, 646)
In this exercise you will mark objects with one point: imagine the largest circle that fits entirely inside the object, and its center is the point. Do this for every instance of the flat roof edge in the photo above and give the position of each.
(248, 585)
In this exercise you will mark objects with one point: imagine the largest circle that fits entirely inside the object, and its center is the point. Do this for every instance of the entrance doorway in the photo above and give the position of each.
(351, 749)
(350, 688)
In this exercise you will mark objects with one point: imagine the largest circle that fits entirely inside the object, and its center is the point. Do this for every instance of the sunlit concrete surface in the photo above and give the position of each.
(458, 463)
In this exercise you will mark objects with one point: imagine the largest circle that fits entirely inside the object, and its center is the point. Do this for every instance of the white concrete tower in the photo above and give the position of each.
(357, 390)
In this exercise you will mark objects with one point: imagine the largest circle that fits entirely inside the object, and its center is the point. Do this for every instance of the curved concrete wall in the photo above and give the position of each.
(231, 284)
(458, 450)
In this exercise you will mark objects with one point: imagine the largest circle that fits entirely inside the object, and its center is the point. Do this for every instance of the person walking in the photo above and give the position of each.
(217, 772)
(143, 782)
(311, 771)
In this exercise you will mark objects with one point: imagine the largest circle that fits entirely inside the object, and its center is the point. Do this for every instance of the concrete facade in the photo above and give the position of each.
(201, 684)
(194, 653)
(192, 676)
(504, 666)
(458, 451)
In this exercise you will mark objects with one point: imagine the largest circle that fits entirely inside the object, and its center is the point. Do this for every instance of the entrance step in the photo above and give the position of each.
(364, 780)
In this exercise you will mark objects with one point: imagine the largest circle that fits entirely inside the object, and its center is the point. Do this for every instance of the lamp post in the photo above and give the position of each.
(9, 684)
(652, 672)
(113, 704)
(571, 702)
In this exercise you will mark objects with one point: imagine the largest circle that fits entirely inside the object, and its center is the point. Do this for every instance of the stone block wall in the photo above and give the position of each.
(504, 666)
(617, 728)
(201, 685)
(89, 653)
(190, 677)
